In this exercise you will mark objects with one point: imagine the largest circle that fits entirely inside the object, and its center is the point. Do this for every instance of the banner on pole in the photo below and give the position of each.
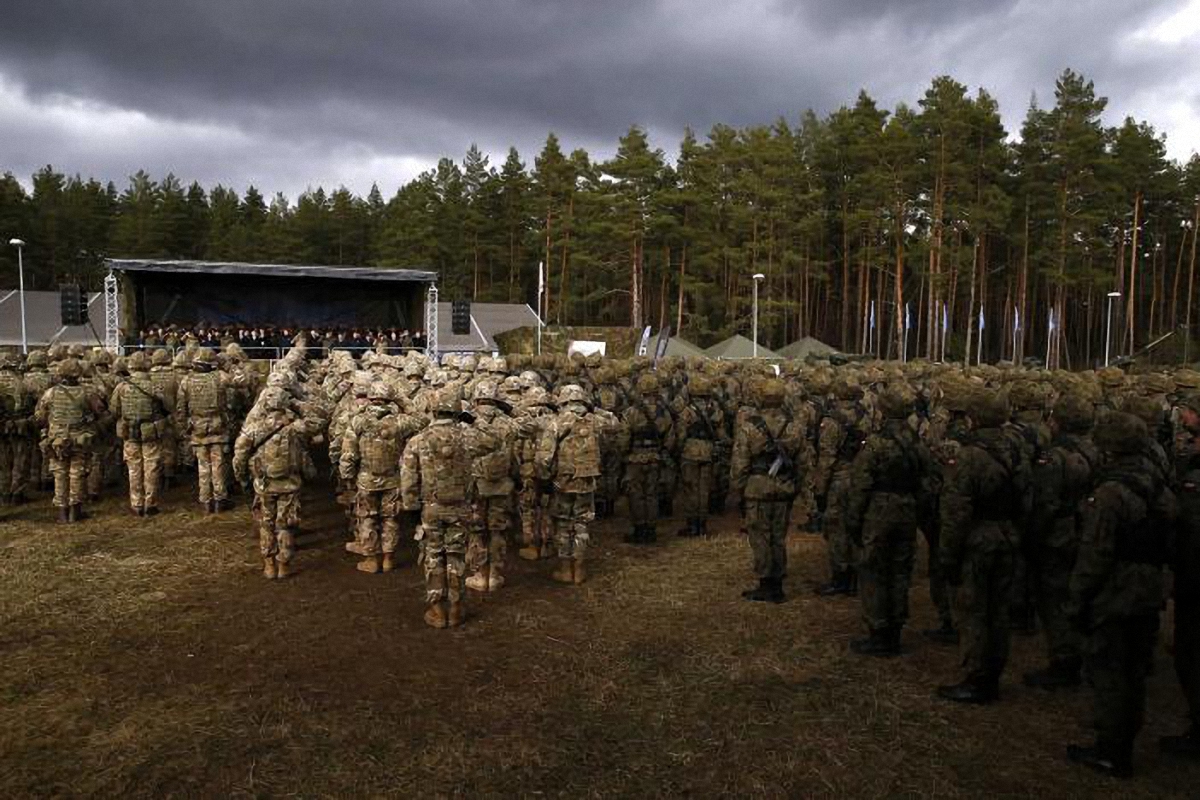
(644, 345)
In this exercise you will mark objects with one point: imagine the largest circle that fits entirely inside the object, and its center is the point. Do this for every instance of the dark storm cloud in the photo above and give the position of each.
(287, 93)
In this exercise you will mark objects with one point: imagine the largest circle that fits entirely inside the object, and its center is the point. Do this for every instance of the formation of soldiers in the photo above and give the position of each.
(1050, 497)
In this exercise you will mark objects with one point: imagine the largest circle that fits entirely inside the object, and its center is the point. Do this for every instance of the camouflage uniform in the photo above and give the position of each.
(1117, 587)
(165, 382)
(104, 447)
(68, 411)
(37, 380)
(1062, 476)
(434, 481)
(881, 520)
(766, 472)
(701, 425)
(16, 410)
(608, 488)
(568, 459)
(533, 415)
(840, 436)
(272, 451)
(369, 460)
(651, 434)
(203, 414)
(1185, 563)
(141, 413)
(981, 502)
(494, 466)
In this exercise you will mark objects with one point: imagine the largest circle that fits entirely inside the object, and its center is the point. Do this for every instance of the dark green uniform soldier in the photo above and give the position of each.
(651, 434)
(702, 428)
(766, 473)
(1062, 477)
(1117, 587)
(881, 520)
(1185, 563)
(982, 499)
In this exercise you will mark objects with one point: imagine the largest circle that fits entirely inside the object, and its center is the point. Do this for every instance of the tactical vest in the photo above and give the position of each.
(66, 409)
(443, 458)
(851, 422)
(379, 449)
(138, 401)
(645, 434)
(494, 464)
(279, 456)
(578, 452)
(206, 396)
(772, 460)
(1002, 504)
(901, 472)
(12, 396)
(1146, 541)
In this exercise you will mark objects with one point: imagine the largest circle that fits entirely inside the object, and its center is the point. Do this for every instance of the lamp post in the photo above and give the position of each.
(1108, 327)
(758, 276)
(20, 244)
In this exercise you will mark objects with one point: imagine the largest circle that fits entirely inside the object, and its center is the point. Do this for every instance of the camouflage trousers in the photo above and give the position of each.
(170, 448)
(668, 477)
(983, 601)
(889, 535)
(377, 521)
(443, 541)
(103, 462)
(535, 522)
(487, 543)
(278, 516)
(1050, 578)
(14, 464)
(1187, 648)
(939, 590)
(571, 514)
(841, 549)
(210, 471)
(144, 462)
(1119, 656)
(68, 467)
(767, 527)
(642, 485)
(696, 479)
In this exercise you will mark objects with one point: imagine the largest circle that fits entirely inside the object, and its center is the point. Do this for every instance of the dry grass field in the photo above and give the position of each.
(149, 658)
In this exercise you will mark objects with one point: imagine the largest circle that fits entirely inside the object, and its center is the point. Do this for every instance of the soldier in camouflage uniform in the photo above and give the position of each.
(271, 452)
(436, 481)
(369, 461)
(494, 467)
(1117, 588)
(840, 436)
(165, 382)
(610, 400)
(651, 434)
(142, 418)
(16, 411)
(766, 474)
(701, 425)
(981, 503)
(68, 411)
(534, 414)
(1029, 398)
(203, 415)
(104, 448)
(1185, 564)
(568, 462)
(1062, 477)
(881, 520)
(37, 380)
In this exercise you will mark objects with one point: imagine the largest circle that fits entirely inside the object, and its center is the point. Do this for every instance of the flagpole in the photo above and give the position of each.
(541, 294)
(907, 323)
(1049, 337)
(979, 348)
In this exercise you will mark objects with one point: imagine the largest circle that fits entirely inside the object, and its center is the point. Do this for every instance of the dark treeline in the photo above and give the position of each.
(852, 218)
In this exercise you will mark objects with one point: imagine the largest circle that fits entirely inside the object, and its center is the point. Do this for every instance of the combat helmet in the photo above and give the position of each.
(36, 359)
(486, 391)
(700, 386)
(770, 392)
(160, 358)
(573, 393)
(234, 352)
(448, 401)
(380, 392)
(896, 401)
(138, 362)
(1119, 433)
(647, 384)
(988, 409)
(1073, 414)
(69, 369)
(203, 359)
(274, 398)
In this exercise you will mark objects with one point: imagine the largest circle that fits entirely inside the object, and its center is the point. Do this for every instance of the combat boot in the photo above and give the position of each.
(389, 562)
(853, 579)
(702, 527)
(877, 643)
(495, 579)
(564, 573)
(634, 536)
(269, 570)
(222, 505)
(354, 547)
(64, 516)
(479, 581)
(945, 634)
(650, 535)
(839, 584)
(136, 511)
(1186, 746)
(579, 572)
(369, 565)
(152, 511)
(716, 504)
(75, 513)
(435, 615)
(969, 691)
(282, 568)
(457, 615)
(1061, 674)
(1106, 761)
(769, 590)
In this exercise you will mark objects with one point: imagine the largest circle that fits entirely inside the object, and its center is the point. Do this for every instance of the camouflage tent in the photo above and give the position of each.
(738, 347)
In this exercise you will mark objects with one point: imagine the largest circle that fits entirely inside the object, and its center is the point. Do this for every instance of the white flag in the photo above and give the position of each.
(872, 315)
(1017, 322)
(945, 318)
(907, 316)
(981, 318)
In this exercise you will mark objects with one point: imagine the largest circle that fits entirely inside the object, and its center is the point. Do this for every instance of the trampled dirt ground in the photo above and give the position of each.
(149, 658)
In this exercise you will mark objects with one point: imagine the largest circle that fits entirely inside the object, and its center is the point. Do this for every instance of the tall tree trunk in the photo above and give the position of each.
(1131, 287)
(1191, 297)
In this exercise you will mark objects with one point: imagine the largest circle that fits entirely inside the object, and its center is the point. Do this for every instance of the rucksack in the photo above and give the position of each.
(578, 451)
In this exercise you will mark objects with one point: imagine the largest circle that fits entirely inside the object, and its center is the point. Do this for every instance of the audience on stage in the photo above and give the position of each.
(264, 340)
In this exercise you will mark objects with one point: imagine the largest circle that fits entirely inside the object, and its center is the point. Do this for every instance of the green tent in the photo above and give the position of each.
(738, 347)
(805, 347)
(682, 347)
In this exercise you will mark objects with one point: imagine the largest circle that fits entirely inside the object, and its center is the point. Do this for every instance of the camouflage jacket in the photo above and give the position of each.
(372, 446)
(273, 451)
(768, 455)
(494, 451)
(202, 407)
(893, 461)
(651, 431)
(435, 476)
(568, 453)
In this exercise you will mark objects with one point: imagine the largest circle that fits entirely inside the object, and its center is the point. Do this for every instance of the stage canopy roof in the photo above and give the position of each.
(271, 270)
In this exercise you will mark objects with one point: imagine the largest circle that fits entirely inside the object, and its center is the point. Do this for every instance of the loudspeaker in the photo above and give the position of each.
(460, 317)
(73, 304)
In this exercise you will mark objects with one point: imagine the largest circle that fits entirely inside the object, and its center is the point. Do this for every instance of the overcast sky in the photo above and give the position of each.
(287, 94)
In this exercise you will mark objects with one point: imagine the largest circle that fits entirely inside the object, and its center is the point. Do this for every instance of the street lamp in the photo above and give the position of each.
(20, 244)
(1108, 328)
(758, 276)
